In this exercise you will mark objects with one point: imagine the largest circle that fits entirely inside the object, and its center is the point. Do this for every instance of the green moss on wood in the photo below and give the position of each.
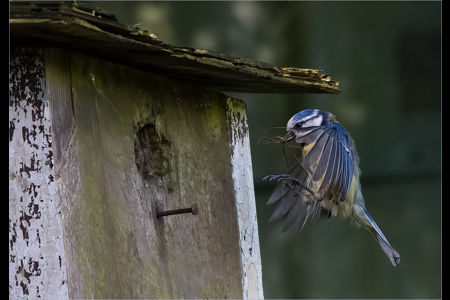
(121, 249)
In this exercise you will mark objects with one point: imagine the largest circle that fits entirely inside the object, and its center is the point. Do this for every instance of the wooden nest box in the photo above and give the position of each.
(110, 128)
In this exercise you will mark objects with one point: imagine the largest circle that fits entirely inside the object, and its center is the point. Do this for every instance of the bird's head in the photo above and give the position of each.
(307, 120)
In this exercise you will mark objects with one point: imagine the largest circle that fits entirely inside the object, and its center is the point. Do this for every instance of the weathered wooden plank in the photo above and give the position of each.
(91, 30)
(245, 199)
(59, 90)
(140, 143)
(57, 71)
(37, 267)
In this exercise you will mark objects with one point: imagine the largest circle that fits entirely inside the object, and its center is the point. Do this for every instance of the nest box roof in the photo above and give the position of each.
(91, 30)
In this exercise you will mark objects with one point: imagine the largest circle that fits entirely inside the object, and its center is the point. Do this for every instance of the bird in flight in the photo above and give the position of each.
(324, 180)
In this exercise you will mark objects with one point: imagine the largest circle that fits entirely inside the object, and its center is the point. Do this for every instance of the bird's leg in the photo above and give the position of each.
(287, 177)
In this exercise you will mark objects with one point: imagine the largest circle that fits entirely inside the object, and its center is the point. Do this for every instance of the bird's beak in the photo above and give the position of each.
(289, 136)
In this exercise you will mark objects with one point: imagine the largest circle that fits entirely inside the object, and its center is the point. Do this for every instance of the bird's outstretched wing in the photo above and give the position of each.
(329, 159)
(327, 162)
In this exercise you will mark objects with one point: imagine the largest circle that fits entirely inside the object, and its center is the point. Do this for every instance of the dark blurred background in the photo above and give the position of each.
(387, 59)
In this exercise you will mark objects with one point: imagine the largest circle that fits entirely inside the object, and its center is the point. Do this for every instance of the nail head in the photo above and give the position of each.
(194, 209)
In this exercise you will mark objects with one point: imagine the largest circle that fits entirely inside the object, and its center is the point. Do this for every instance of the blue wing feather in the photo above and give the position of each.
(316, 151)
(338, 174)
(324, 160)
(332, 165)
(335, 173)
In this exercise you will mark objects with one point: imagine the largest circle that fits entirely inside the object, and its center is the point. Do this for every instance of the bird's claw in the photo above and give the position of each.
(281, 177)
(287, 177)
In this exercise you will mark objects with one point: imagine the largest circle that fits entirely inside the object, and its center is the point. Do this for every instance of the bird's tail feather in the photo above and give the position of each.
(391, 253)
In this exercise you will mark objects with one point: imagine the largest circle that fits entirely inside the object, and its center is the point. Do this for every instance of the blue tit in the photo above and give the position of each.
(324, 180)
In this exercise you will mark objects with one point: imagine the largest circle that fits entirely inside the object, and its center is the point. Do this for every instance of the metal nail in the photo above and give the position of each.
(193, 209)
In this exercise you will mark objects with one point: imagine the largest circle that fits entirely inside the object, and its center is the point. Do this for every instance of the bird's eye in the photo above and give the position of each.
(299, 124)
